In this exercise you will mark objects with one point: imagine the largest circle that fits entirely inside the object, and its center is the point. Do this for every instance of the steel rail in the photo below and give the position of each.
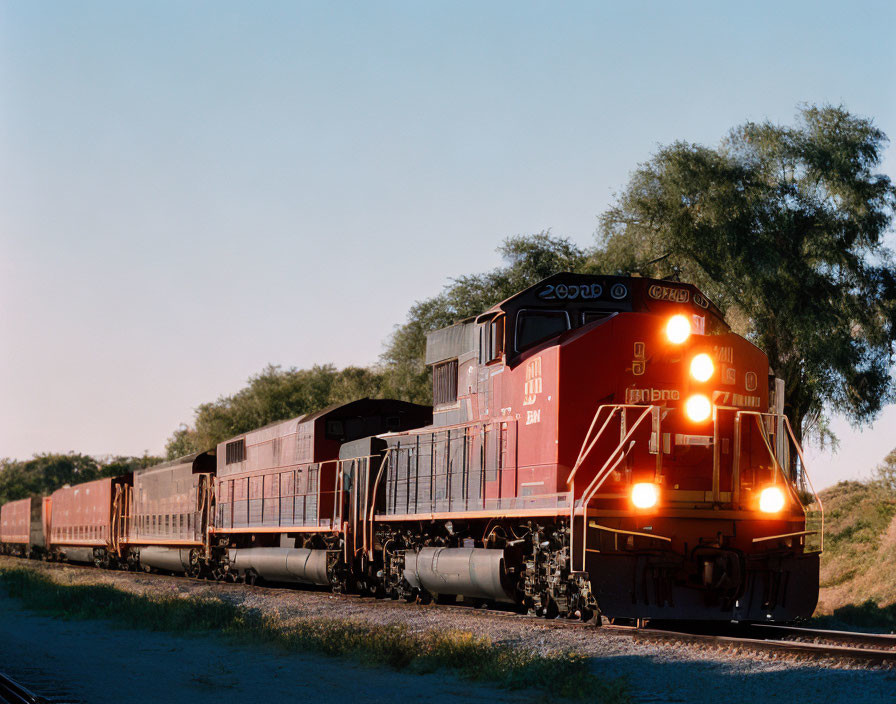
(11, 692)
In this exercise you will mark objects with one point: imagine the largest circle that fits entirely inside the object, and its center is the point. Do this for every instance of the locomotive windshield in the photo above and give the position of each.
(533, 326)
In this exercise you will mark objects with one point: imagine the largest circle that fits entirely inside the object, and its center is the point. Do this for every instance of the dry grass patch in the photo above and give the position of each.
(564, 675)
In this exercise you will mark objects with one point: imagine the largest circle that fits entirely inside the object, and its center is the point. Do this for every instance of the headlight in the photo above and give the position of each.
(678, 329)
(702, 367)
(698, 408)
(771, 500)
(645, 495)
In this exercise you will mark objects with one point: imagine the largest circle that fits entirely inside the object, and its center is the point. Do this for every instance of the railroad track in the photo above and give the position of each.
(12, 692)
(869, 649)
(806, 643)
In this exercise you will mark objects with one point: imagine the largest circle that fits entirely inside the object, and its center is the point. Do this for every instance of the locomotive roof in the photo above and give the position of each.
(583, 292)
(622, 293)
(176, 462)
(358, 407)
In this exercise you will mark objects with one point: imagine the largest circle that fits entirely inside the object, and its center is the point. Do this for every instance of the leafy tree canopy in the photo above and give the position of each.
(527, 260)
(44, 473)
(277, 394)
(274, 394)
(784, 228)
(885, 473)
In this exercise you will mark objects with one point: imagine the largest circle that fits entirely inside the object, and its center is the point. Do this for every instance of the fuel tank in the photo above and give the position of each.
(171, 559)
(472, 572)
(282, 564)
(78, 554)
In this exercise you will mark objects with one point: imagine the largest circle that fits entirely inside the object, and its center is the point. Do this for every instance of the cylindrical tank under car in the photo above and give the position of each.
(78, 554)
(471, 572)
(171, 559)
(282, 564)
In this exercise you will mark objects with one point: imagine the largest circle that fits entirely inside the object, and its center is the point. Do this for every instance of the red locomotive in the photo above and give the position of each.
(601, 442)
(596, 444)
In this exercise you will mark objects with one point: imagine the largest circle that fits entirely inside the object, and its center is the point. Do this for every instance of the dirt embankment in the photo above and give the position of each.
(858, 566)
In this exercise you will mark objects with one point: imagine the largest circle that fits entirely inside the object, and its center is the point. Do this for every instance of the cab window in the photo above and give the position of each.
(533, 326)
(589, 316)
(491, 341)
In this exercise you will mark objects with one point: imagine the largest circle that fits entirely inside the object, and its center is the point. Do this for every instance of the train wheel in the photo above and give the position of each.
(548, 609)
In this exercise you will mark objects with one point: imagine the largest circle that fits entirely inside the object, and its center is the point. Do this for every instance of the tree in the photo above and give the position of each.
(528, 260)
(272, 395)
(44, 473)
(885, 473)
(784, 228)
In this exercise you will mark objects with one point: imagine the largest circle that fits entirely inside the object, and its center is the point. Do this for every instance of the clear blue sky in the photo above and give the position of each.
(189, 191)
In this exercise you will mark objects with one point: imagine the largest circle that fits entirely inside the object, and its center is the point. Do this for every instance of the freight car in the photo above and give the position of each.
(596, 444)
(84, 522)
(22, 527)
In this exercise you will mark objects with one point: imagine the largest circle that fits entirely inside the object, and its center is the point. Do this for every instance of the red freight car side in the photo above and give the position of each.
(15, 522)
(82, 514)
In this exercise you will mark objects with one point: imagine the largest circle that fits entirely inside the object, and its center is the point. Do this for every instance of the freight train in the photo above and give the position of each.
(596, 445)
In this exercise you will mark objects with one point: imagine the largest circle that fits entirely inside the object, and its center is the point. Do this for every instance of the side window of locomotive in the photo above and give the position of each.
(491, 341)
(533, 326)
(334, 429)
(444, 383)
(589, 316)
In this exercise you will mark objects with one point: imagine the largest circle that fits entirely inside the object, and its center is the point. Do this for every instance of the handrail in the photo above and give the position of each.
(799, 451)
(584, 452)
(777, 465)
(604, 472)
(379, 474)
(601, 476)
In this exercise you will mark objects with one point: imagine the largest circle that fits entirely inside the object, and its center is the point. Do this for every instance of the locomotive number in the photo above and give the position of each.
(532, 386)
(570, 292)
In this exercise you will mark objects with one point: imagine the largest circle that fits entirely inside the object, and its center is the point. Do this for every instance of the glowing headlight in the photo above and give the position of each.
(678, 329)
(702, 367)
(645, 495)
(771, 500)
(698, 408)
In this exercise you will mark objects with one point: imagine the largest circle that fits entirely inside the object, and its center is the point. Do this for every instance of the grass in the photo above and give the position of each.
(858, 517)
(866, 616)
(563, 675)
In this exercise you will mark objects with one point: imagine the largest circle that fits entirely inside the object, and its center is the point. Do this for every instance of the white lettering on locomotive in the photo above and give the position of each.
(651, 395)
(532, 386)
(724, 354)
(571, 292)
(533, 417)
(751, 381)
(639, 363)
(729, 398)
(669, 293)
